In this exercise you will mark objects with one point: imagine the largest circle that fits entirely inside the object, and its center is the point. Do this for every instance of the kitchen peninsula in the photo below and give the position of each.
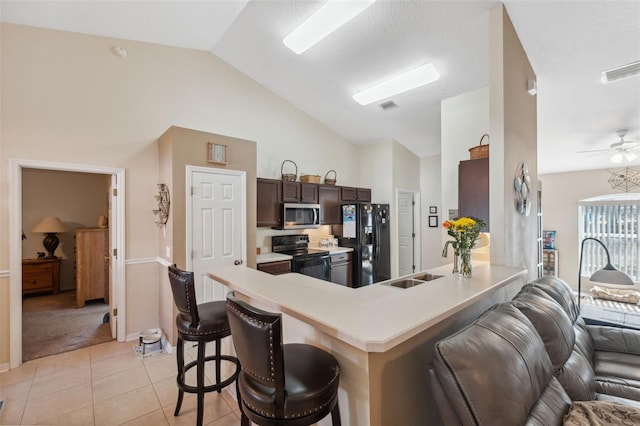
(382, 335)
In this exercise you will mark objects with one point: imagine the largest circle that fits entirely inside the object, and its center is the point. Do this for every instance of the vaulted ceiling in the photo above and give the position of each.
(569, 44)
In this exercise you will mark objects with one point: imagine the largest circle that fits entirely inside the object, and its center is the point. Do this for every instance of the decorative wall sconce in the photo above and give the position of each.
(162, 212)
(522, 187)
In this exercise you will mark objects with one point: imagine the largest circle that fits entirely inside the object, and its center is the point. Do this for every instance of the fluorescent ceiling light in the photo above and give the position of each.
(331, 16)
(409, 80)
(619, 73)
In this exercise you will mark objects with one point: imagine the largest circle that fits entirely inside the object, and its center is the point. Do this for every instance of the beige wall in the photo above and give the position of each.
(513, 130)
(78, 199)
(431, 195)
(66, 98)
(560, 195)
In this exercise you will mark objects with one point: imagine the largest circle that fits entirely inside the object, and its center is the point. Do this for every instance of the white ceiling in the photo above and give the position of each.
(569, 43)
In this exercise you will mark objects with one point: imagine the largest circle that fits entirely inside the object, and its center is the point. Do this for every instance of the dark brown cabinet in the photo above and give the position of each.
(356, 194)
(341, 268)
(269, 199)
(329, 198)
(298, 192)
(473, 189)
(275, 268)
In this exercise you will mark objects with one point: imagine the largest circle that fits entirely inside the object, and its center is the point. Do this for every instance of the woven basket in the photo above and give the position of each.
(480, 151)
(288, 177)
(310, 178)
(330, 181)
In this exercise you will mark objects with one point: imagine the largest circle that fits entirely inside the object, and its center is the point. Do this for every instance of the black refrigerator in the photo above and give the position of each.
(365, 228)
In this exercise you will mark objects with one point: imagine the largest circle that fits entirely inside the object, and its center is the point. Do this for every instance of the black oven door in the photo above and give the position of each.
(313, 266)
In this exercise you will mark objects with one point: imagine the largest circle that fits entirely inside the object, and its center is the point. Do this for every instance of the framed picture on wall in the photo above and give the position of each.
(433, 209)
(433, 221)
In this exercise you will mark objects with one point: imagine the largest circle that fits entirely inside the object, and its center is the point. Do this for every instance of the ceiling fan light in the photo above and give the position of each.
(404, 82)
(630, 156)
(331, 16)
(616, 158)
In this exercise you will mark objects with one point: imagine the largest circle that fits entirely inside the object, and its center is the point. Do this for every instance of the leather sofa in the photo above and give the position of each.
(534, 360)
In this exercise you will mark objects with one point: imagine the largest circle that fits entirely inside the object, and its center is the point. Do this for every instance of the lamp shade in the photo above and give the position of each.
(610, 275)
(50, 225)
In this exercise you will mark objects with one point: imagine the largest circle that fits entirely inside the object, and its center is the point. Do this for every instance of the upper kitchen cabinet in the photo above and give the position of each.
(269, 198)
(298, 192)
(356, 194)
(473, 189)
(329, 198)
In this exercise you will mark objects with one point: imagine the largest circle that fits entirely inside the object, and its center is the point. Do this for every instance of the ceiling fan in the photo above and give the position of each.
(619, 150)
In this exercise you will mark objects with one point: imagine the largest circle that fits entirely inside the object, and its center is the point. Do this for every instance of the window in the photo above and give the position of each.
(614, 220)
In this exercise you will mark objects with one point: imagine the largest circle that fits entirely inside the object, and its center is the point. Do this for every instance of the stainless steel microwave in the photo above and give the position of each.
(300, 216)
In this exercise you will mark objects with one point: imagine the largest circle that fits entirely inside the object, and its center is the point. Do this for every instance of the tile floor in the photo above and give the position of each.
(106, 384)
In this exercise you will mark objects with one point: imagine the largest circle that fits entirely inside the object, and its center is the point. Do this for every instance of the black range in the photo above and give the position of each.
(312, 262)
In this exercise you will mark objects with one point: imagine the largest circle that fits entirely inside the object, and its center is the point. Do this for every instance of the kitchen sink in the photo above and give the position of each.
(412, 281)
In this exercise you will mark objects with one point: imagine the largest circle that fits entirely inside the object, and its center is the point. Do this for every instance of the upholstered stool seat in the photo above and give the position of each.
(292, 384)
(202, 323)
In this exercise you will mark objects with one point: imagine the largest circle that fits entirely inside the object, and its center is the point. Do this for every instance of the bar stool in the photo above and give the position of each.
(292, 384)
(202, 323)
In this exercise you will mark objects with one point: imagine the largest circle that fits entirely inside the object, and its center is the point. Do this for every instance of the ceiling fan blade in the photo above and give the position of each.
(592, 151)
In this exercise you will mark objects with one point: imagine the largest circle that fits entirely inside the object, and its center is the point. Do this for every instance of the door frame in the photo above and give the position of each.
(189, 170)
(117, 234)
(417, 229)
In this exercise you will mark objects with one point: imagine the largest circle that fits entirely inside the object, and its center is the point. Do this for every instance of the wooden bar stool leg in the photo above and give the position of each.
(180, 379)
(202, 346)
(335, 416)
(218, 363)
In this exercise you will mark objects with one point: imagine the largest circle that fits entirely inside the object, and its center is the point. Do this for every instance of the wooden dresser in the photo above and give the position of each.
(92, 265)
(40, 275)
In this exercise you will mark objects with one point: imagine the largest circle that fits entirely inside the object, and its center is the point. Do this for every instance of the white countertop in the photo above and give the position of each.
(374, 318)
(272, 257)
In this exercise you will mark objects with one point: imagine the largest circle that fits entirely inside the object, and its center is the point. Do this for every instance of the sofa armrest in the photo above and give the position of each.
(615, 339)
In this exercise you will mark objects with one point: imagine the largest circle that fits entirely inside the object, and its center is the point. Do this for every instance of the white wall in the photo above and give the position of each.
(431, 195)
(560, 195)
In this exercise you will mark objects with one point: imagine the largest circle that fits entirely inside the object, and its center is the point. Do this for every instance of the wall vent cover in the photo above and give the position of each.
(388, 105)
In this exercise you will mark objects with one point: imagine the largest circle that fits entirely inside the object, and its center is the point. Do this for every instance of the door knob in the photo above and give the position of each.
(237, 262)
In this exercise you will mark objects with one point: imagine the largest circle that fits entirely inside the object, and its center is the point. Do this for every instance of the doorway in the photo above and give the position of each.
(217, 230)
(115, 203)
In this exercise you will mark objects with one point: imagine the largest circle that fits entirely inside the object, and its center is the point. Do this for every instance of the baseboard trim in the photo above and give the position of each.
(4, 367)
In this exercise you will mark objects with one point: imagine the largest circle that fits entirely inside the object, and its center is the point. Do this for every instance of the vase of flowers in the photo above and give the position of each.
(465, 232)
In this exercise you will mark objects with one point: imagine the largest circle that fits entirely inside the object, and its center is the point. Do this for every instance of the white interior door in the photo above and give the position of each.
(218, 225)
(406, 235)
(113, 296)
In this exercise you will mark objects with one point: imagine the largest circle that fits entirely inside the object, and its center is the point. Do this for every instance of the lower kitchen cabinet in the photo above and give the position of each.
(275, 268)
(341, 267)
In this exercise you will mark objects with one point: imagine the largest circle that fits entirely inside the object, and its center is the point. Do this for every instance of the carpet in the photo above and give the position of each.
(52, 324)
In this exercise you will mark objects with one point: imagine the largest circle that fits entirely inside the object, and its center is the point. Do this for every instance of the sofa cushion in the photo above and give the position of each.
(570, 366)
(561, 292)
(618, 374)
(497, 358)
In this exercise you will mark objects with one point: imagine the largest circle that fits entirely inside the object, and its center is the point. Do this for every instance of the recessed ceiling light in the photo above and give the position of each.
(331, 16)
(409, 80)
(619, 73)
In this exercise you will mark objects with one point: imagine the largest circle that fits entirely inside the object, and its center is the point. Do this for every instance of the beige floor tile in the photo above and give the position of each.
(81, 417)
(16, 392)
(161, 367)
(231, 419)
(126, 407)
(64, 361)
(60, 380)
(113, 365)
(167, 391)
(56, 404)
(215, 407)
(119, 383)
(110, 349)
(155, 418)
(23, 373)
(229, 395)
(11, 413)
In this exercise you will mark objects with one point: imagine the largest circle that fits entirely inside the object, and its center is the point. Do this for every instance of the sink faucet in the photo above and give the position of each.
(455, 256)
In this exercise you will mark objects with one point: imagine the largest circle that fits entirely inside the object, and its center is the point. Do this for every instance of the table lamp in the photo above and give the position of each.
(50, 226)
(606, 275)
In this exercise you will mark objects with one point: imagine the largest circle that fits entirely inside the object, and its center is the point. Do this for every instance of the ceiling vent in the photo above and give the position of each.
(619, 73)
(388, 105)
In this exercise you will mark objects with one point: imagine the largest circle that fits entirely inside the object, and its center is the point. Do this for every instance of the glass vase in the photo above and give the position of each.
(465, 262)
